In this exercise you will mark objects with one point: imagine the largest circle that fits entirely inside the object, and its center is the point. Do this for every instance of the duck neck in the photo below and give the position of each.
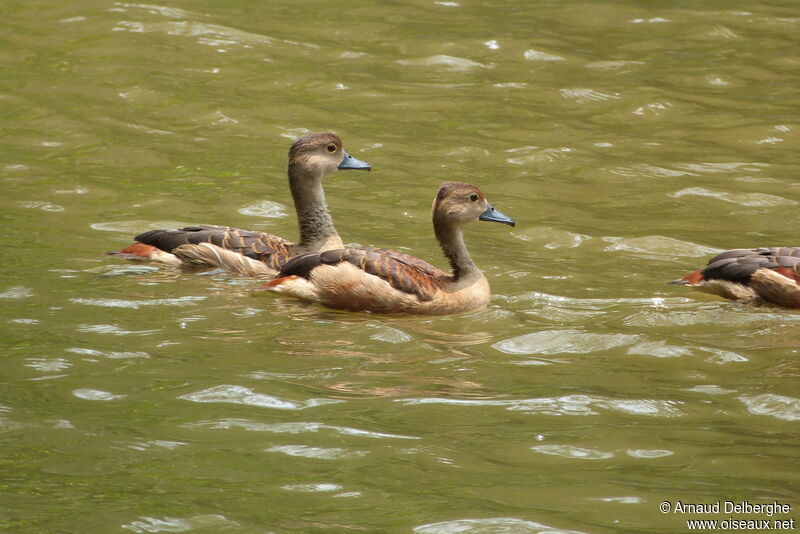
(451, 239)
(316, 225)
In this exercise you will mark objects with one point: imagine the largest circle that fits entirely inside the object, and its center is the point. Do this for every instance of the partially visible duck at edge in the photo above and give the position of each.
(260, 254)
(752, 275)
(385, 281)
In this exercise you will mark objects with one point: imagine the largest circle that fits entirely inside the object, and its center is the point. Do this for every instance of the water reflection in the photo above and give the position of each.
(780, 406)
(245, 396)
(148, 524)
(582, 405)
(492, 524)
(317, 453)
(294, 428)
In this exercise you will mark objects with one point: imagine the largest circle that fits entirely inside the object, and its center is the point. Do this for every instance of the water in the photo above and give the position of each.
(629, 141)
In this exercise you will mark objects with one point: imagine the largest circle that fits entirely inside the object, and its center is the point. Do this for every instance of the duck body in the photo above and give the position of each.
(386, 281)
(241, 251)
(380, 281)
(768, 275)
(254, 253)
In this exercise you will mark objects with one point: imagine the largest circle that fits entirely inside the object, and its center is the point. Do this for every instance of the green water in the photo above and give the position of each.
(630, 141)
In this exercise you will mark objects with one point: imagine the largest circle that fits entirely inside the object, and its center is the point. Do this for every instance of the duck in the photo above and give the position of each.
(386, 281)
(766, 275)
(253, 253)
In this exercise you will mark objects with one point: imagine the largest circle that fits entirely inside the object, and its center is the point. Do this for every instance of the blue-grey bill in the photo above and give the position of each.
(349, 162)
(492, 215)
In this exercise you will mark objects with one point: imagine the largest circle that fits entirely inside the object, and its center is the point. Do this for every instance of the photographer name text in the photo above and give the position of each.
(727, 507)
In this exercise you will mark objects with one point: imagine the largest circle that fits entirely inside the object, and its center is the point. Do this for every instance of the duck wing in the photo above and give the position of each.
(403, 272)
(259, 246)
(738, 265)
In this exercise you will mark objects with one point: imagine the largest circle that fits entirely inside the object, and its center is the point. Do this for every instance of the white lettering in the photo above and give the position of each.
(696, 508)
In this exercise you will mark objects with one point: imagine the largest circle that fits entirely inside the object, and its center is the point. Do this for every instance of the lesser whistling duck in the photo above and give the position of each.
(757, 275)
(385, 281)
(311, 158)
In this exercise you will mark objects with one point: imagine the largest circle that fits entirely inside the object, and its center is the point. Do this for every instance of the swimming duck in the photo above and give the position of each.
(385, 281)
(311, 158)
(758, 275)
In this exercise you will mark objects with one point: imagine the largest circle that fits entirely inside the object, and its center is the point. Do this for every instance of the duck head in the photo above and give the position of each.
(459, 203)
(321, 154)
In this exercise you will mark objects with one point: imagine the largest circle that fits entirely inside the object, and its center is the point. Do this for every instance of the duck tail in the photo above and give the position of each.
(140, 251)
(695, 278)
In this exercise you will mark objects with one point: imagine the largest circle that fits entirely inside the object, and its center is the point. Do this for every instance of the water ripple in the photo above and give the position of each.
(653, 109)
(760, 200)
(728, 167)
(711, 389)
(652, 20)
(560, 309)
(623, 500)
(717, 314)
(643, 170)
(136, 304)
(114, 355)
(538, 55)
(493, 525)
(170, 12)
(319, 453)
(160, 443)
(721, 357)
(209, 34)
(565, 405)
(42, 205)
(552, 238)
(657, 245)
(265, 208)
(47, 365)
(135, 226)
(112, 329)
(612, 65)
(203, 522)
(538, 155)
(659, 349)
(16, 292)
(649, 453)
(389, 334)
(780, 406)
(246, 396)
(295, 428)
(585, 95)
(569, 451)
(443, 61)
(563, 341)
(312, 488)
(95, 394)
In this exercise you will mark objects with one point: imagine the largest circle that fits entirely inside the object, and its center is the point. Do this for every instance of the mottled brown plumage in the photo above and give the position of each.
(402, 271)
(759, 275)
(386, 281)
(253, 253)
(260, 246)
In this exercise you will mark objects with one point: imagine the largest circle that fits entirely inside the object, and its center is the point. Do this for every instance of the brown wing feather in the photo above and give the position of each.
(402, 271)
(260, 246)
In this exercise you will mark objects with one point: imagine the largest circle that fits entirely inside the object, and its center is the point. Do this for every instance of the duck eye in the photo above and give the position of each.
(331, 147)
(473, 197)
